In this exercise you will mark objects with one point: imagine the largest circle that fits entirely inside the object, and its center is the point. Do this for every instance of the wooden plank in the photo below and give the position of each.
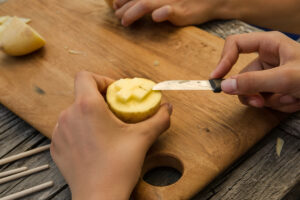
(18, 137)
(263, 175)
(9, 125)
(224, 28)
(34, 161)
(66, 195)
(111, 50)
(284, 175)
(292, 125)
(241, 170)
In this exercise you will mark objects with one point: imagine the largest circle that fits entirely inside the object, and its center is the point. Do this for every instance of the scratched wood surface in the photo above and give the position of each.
(62, 192)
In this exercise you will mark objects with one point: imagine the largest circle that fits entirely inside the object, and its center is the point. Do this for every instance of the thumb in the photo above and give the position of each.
(157, 124)
(275, 80)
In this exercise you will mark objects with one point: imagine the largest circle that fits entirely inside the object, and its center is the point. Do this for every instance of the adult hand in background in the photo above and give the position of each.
(275, 14)
(100, 156)
(178, 12)
(271, 80)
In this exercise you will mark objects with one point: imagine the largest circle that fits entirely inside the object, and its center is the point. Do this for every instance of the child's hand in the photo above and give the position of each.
(178, 12)
(100, 156)
(271, 80)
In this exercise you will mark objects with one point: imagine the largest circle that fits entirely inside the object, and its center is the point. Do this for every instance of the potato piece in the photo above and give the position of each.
(19, 39)
(133, 100)
(4, 19)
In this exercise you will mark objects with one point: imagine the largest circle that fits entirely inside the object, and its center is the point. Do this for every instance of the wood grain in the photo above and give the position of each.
(259, 154)
(112, 50)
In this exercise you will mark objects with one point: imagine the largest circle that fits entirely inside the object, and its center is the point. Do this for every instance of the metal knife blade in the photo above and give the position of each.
(212, 84)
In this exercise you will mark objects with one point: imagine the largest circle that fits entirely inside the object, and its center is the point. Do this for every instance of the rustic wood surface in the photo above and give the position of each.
(260, 174)
(201, 145)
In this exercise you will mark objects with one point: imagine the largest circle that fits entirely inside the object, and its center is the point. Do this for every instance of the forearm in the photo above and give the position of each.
(116, 192)
(274, 14)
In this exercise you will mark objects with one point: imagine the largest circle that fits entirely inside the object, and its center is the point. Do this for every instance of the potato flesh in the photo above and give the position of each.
(133, 89)
(133, 100)
(4, 19)
(19, 39)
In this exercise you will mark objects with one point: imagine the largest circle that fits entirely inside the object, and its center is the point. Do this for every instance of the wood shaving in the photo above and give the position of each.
(75, 52)
(279, 146)
(156, 63)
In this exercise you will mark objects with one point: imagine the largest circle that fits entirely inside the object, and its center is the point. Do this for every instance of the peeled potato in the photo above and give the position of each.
(18, 38)
(133, 100)
(3, 19)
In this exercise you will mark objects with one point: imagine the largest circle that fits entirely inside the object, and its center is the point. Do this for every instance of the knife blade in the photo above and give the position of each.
(212, 84)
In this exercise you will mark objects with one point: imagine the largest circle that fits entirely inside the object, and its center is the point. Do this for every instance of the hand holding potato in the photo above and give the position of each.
(100, 156)
(271, 80)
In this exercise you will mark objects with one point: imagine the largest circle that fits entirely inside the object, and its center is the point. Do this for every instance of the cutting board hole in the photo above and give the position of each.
(162, 170)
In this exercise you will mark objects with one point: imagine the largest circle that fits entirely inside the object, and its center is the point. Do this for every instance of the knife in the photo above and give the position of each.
(212, 84)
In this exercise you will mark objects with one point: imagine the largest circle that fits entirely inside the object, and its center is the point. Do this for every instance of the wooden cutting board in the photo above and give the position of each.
(208, 132)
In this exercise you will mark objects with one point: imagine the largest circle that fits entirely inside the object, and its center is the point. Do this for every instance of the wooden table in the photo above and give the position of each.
(260, 174)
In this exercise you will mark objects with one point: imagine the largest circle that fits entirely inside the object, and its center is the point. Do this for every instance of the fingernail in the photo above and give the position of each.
(255, 103)
(56, 126)
(229, 86)
(287, 99)
(170, 109)
(212, 75)
(123, 22)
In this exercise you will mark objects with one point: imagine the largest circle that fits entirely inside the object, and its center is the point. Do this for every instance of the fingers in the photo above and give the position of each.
(89, 85)
(102, 82)
(252, 100)
(274, 101)
(137, 10)
(277, 80)
(157, 124)
(290, 108)
(162, 14)
(267, 44)
(255, 65)
(119, 3)
(121, 11)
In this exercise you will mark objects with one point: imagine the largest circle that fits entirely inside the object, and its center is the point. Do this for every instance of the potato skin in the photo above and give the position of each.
(133, 115)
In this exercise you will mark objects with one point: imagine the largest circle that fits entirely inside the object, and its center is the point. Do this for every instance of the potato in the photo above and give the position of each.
(3, 19)
(18, 38)
(133, 100)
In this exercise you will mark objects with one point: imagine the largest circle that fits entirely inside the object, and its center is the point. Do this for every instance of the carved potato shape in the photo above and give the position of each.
(132, 100)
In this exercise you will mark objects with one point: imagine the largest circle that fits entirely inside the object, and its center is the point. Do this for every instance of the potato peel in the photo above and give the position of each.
(279, 146)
